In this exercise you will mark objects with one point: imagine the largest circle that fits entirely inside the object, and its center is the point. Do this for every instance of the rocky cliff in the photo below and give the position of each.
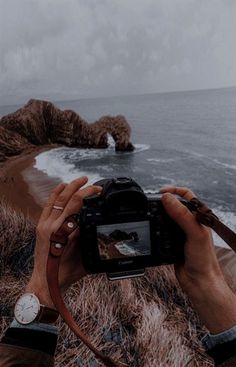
(40, 122)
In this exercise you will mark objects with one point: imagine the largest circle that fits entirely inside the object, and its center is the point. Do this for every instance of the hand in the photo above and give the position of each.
(70, 197)
(201, 263)
(200, 275)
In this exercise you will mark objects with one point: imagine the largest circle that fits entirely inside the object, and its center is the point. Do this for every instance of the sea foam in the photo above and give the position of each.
(60, 162)
(229, 219)
(54, 165)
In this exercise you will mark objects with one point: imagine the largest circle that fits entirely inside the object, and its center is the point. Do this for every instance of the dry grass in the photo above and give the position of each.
(144, 322)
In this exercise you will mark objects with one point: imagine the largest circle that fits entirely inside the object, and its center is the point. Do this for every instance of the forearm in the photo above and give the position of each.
(12, 356)
(32, 345)
(215, 304)
(40, 289)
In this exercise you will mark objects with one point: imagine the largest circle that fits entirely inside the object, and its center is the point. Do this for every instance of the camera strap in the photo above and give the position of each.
(205, 215)
(59, 242)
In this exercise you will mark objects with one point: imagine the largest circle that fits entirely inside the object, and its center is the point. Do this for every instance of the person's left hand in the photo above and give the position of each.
(70, 198)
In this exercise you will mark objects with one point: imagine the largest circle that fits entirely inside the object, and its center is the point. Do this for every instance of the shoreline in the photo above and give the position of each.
(18, 187)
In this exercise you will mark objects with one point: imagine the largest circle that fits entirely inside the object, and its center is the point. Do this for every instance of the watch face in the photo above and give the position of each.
(27, 308)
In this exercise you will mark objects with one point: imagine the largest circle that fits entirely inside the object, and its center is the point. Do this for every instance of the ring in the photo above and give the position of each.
(58, 207)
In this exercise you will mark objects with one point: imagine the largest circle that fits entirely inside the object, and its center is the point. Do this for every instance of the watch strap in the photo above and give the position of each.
(47, 315)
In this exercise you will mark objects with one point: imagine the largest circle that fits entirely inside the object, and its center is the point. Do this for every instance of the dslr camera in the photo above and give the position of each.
(123, 231)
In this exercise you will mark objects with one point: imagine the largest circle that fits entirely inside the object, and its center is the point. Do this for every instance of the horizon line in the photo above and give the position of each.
(123, 95)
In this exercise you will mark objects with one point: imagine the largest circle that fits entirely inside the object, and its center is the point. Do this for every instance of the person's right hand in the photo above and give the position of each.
(200, 275)
(201, 264)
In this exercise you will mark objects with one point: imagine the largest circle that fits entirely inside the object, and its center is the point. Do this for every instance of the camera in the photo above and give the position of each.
(123, 231)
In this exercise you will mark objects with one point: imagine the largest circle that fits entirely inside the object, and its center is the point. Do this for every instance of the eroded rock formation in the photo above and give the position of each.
(40, 123)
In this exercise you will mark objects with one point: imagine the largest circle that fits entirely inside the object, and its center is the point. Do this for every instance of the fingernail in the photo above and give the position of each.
(166, 188)
(98, 187)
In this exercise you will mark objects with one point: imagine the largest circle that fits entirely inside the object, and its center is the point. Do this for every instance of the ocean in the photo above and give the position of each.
(181, 138)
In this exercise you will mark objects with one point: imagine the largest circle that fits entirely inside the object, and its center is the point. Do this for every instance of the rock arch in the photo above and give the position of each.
(41, 122)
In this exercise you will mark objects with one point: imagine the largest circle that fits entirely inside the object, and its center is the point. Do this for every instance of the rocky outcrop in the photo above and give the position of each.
(41, 122)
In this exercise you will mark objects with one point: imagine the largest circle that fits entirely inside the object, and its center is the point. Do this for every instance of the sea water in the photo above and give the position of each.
(181, 138)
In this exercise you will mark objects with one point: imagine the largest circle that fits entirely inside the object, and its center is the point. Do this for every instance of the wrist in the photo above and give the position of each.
(215, 304)
(41, 291)
(209, 288)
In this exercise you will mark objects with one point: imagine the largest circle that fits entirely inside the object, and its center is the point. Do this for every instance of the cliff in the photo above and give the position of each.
(40, 122)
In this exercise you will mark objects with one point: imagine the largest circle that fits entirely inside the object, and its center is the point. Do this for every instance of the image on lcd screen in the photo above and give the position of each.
(116, 241)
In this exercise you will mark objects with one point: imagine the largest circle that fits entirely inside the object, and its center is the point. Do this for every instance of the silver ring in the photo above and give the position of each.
(58, 207)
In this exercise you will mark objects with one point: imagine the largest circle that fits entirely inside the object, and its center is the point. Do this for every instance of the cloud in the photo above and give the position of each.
(79, 48)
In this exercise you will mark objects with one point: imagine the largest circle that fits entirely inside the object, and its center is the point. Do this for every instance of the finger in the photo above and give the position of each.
(76, 201)
(184, 192)
(65, 196)
(51, 200)
(180, 214)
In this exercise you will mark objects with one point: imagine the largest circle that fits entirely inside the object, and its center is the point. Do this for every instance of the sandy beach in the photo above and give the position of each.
(23, 186)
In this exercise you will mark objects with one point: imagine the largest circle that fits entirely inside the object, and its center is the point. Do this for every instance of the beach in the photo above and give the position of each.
(23, 186)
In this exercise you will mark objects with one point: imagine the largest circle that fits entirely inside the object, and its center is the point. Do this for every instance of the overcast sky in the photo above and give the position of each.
(68, 49)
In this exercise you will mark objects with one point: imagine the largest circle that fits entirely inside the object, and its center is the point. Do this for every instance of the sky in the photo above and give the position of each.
(71, 49)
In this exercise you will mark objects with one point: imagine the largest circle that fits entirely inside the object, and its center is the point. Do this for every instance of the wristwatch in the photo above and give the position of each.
(28, 309)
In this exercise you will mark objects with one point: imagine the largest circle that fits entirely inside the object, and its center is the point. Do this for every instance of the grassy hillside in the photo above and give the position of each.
(144, 322)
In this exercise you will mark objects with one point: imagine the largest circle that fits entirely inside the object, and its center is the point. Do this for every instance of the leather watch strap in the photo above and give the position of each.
(47, 315)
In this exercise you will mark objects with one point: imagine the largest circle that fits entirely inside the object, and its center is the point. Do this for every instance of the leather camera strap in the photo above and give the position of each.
(59, 241)
(205, 216)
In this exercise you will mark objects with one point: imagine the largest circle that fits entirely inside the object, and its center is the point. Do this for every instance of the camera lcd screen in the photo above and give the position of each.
(121, 240)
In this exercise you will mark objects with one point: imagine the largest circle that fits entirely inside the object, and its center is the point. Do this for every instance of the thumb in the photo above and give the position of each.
(180, 214)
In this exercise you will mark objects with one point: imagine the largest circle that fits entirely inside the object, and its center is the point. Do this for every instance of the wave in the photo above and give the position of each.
(83, 154)
(141, 148)
(161, 181)
(216, 161)
(62, 162)
(56, 166)
(229, 219)
(125, 249)
(226, 165)
(162, 160)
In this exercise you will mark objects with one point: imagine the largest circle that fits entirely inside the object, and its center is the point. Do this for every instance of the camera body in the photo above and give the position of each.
(123, 231)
